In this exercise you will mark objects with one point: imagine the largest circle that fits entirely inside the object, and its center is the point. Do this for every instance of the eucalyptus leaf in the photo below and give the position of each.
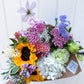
(5, 73)
(15, 69)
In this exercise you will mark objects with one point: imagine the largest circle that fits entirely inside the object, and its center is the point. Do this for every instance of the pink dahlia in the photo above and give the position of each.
(43, 48)
(40, 28)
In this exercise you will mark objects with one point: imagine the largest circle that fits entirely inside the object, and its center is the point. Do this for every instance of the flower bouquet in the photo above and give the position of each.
(42, 52)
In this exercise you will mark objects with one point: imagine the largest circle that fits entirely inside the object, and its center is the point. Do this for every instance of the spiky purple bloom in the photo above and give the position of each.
(28, 69)
(63, 18)
(31, 68)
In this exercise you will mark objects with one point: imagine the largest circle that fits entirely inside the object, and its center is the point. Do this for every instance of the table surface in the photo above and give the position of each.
(78, 79)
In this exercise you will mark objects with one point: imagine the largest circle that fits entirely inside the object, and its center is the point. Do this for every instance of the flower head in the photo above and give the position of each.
(49, 68)
(40, 28)
(58, 40)
(27, 12)
(43, 48)
(61, 55)
(26, 56)
(33, 37)
(73, 47)
(28, 69)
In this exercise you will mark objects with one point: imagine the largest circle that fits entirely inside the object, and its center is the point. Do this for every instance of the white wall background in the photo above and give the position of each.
(10, 21)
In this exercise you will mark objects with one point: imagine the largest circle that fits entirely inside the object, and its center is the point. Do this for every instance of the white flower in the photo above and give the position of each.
(10, 52)
(61, 55)
(49, 68)
(44, 36)
(27, 12)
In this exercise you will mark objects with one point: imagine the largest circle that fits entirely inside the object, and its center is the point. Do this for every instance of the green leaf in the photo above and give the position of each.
(15, 45)
(13, 40)
(15, 70)
(11, 44)
(6, 77)
(69, 30)
(80, 57)
(19, 82)
(23, 39)
(80, 48)
(5, 73)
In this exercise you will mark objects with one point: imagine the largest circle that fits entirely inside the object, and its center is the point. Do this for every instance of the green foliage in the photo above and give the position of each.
(14, 43)
(19, 82)
(23, 39)
(80, 48)
(14, 69)
(69, 30)
(80, 57)
(5, 73)
(13, 40)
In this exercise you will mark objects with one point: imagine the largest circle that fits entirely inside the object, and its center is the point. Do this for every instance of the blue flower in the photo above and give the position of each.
(65, 34)
(63, 18)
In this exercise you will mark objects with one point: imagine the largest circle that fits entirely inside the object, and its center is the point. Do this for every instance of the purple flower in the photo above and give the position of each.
(35, 21)
(21, 72)
(33, 37)
(54, 32)
(40, 28)
(25, 65)
(31, 68)
(27, 12)
(28, 69)
(63, 18)
(32, 30)
(27, 74)
(58, 40)
(65, 34)
(62, 30)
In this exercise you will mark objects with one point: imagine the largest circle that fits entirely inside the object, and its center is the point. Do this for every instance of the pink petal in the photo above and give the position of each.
(33, 5)
(22, 10)
(25, 18)
(27, 5)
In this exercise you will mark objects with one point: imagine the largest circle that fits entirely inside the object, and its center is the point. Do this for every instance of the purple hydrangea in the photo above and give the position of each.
(28, 69)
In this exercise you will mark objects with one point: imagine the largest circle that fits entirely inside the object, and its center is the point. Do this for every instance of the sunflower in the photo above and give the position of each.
(35, 76)
(26, 56)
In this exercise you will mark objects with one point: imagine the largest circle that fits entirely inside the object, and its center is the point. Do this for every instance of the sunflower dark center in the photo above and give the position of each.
(34, 73)
(25, 54)
(28, 12)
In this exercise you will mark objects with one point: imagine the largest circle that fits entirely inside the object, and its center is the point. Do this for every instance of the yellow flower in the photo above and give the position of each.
(26, 56)
(35, 77)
